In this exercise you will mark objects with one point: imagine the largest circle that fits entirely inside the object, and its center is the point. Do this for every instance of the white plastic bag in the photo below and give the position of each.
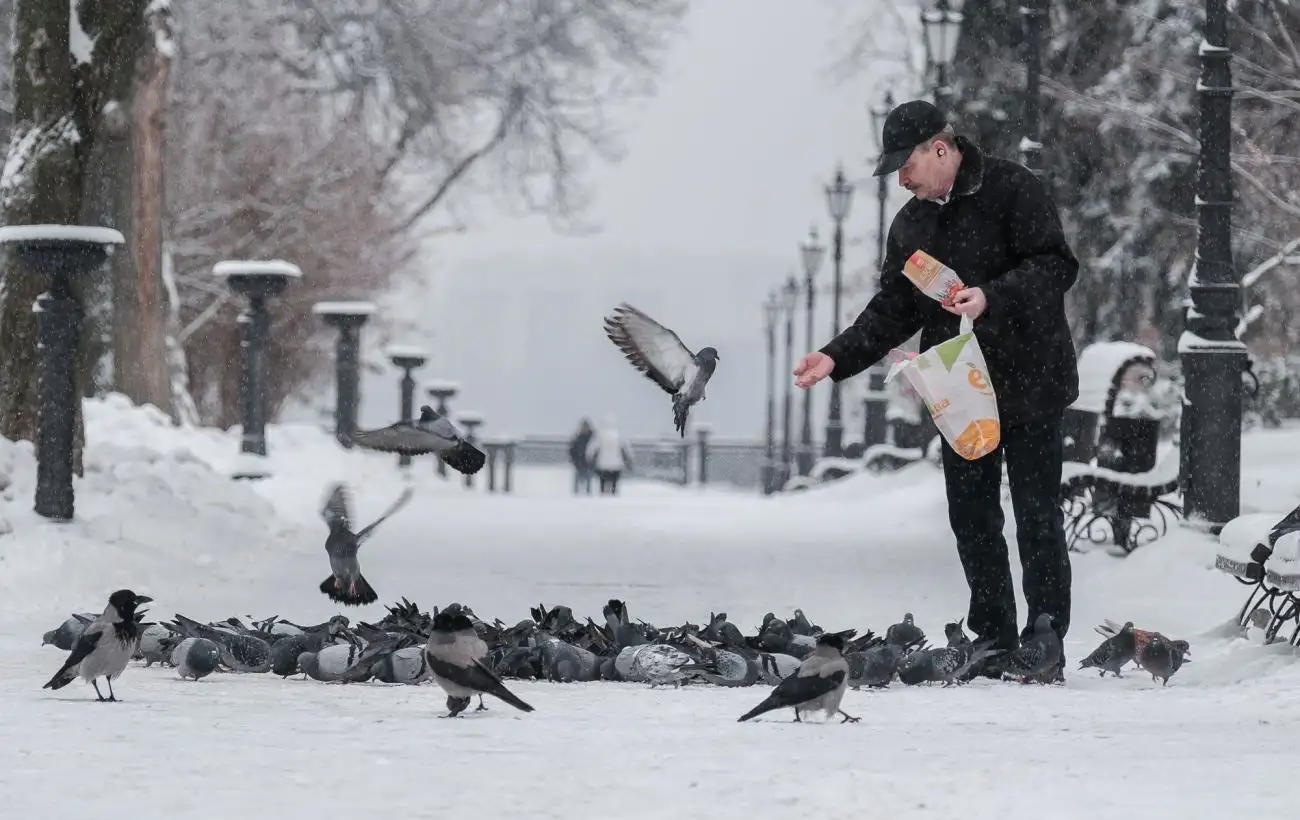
(952, 379)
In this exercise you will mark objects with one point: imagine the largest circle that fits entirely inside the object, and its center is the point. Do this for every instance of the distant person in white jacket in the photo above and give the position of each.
(609, 455)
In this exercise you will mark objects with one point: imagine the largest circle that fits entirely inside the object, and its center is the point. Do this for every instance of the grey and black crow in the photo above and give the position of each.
(105, 646)
(455, 655)
(818, 684)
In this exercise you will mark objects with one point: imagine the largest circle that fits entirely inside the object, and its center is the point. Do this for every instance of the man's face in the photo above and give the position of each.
(925, 174)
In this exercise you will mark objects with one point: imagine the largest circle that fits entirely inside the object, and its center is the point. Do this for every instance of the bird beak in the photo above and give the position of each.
(143, 599)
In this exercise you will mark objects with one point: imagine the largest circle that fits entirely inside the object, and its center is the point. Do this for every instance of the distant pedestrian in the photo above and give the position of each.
(610, 456)
(582, 467)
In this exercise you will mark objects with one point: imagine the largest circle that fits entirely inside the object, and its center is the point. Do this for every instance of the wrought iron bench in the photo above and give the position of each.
(1263, 553)
(1114, 487)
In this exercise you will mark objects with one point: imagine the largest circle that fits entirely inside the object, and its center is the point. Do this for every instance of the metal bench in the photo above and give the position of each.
(1263, 553)
(1114, 488)
(910, 431)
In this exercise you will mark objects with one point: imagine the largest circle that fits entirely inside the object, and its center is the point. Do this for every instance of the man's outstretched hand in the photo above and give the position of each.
(812, 368)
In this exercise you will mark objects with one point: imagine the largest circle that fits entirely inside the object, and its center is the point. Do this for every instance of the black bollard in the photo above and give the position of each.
(507, 484)
(407, 359)
(442, 392)
(491, 448)
(347, 318)
(470, 422)
(61, 253)
(702, 432)
(257, 281)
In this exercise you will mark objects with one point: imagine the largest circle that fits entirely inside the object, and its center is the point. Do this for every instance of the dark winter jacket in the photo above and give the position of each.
(578, 449)
(1000, 231)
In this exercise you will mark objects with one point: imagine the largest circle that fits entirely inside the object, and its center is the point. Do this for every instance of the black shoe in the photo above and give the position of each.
(992, 666)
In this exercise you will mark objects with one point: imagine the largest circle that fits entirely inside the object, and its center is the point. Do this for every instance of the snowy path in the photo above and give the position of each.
(257, 747)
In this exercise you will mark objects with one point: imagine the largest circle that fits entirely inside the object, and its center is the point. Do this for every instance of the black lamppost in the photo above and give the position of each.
(257, 281)
(471, 421)
(702, 432)
(1031, 146)
(771, 313)
(789, 301)
(1213, 358)
(59, 253)
(810, 252)
(443, 392)
(941, 24)
(839, 198)
(406, 359)
(875, 427)
(347, 318)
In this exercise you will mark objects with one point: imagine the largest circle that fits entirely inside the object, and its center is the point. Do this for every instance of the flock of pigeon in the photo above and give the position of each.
(809, 668)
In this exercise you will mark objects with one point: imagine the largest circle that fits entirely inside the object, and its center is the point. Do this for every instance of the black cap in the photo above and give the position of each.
(906, 127)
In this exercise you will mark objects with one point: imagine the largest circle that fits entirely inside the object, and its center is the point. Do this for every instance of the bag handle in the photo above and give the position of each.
(967, 325)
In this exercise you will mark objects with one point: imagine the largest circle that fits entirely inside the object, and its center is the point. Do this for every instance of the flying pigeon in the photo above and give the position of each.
(657, 352)
(818, 685)
(345, 583)
(104, 646)
(431, 433)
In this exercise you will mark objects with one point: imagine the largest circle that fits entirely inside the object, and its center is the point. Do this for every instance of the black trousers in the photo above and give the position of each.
(608, 481)
(1033, 453)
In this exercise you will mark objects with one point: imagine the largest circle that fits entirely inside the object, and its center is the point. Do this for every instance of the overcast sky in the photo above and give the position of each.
(722, 176)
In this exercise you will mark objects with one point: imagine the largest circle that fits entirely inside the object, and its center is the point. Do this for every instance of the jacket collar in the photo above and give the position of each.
(970, 176)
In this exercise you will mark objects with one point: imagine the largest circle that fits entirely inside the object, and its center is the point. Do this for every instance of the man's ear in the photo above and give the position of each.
(941, 146)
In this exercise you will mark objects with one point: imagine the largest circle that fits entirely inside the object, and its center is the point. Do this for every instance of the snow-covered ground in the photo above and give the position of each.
(157, 513)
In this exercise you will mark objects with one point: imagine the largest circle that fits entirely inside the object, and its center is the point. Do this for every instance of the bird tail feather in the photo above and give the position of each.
(770, 704)
(510, 698)
(464, 458)
(680, 408)
(62, 678)
(354, 594)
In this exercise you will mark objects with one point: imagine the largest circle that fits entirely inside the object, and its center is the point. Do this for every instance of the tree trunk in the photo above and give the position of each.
(61, 100)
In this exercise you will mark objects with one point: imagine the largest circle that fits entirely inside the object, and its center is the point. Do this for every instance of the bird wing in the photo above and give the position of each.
(477, 677)
(652, 348)
(1028, 656)
(338, 507)
(404, 438)
(397, 505)
(86, 643)
(795, 690)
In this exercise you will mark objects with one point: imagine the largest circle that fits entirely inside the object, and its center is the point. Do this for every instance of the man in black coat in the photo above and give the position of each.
(994, 223)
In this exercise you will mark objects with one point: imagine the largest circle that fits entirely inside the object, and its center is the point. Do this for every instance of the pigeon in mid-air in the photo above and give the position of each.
(455, 655)
(657, 352)
(105, 646)
(1114, 652)
(818, 684)
(345, 583)
(430, 433)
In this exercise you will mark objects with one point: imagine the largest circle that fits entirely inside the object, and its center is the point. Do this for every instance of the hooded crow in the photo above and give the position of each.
(818, 684)
(105, 646)
(455, 655)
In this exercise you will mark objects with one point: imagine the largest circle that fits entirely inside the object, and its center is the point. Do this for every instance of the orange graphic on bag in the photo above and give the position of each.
(980, 438)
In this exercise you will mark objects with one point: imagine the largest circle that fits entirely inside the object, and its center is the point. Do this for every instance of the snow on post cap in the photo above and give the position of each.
(404, 352)
(435, 387)
(254, 267)
(469, 417)
(78, 233)
(343, 308)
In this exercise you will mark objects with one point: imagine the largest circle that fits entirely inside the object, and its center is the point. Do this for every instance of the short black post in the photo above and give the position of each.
(875, 427)
(258, 281)
(470, 422)
(507, 483)
(406, 359)
(61, 253)
(347, 318)
(491, 449)
(702, 432)
(442, 392)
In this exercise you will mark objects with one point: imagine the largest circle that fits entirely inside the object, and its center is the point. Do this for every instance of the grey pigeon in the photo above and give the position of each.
(195, 658)
(330, 664)
(65, 636)
(1039, 654)
(658, 353)
(1114, 652)
(455, 655)
(346, 584)
(239, 652)
(905, 633)
(777, 666)
(657, 664)
(818, 685)
(430, 433)
(406, 665)
(956, 634)
(727, 668)
(620, 626)
(565, 663)
(1162, 657)
(156, 644)
(950, 664)
(105, 646)
(874, 667)
(917, 667)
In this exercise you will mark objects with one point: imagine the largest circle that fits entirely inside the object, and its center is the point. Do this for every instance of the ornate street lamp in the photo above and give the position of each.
(771, 315)
(811, 253)
(789, 301)
(941, 24)
(839, 199)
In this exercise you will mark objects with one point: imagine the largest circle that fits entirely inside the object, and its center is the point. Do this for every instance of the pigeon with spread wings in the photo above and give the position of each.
(430, 433)
(345, 583)
(657, 352)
